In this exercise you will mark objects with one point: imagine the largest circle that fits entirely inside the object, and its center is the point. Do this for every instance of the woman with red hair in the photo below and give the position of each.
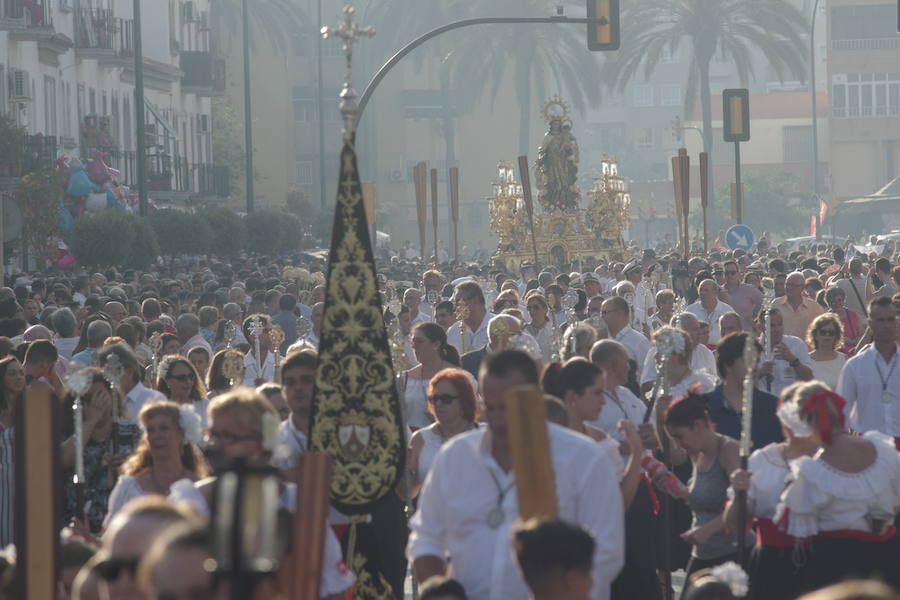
(844, 499)
(451, 401)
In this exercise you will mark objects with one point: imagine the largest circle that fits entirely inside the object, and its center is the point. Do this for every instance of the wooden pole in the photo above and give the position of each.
(420, 179)
(525, 178)
(302, 569)
(529, 451)
(685, 197)
(704, 195)
(676, 181)
(434, 211)
(454, 209)
(38, 493)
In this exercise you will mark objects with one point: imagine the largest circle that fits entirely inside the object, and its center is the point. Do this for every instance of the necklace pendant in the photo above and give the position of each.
(495, 517)
(886, 397)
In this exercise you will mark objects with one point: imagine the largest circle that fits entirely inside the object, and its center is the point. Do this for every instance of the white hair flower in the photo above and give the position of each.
(734, 577)
(270, 425)
(789, 414)
(190, 423)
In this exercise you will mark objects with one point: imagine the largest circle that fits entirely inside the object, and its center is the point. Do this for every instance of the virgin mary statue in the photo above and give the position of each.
(556, 170)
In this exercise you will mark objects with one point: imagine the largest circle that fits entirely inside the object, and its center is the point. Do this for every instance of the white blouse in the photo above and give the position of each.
(769, 478)
(828, 371)
(822, 498)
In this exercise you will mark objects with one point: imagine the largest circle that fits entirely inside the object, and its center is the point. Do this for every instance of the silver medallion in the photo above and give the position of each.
(886, 397)
(495, 517)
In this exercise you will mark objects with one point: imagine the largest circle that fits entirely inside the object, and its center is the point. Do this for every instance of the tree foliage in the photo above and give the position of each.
(264, 231)
(180, 232)
(113, 237)
(38, 196)
(228, 235)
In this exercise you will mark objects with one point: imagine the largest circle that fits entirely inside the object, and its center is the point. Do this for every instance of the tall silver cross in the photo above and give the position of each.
(349, 32)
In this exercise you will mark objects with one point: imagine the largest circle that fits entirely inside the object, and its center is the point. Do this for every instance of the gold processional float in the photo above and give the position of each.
(564, 232)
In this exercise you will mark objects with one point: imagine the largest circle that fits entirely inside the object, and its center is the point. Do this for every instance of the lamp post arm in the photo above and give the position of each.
(383, 71)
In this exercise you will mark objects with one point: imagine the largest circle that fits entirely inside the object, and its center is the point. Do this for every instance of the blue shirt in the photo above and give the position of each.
(288, 323)
(766, 427)
(85, 357)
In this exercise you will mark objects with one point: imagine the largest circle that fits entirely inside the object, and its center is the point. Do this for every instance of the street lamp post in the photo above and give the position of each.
(248, 114)
(139, 110)
(815, 119)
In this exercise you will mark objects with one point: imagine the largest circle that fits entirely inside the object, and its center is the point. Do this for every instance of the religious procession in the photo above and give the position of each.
(568, 389)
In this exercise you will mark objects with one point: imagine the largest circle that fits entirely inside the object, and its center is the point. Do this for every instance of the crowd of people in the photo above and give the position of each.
(642, 362)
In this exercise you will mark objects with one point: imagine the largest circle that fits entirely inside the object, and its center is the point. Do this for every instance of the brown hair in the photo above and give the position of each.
(816, 325)
(462, 382)
(199, 391)
(142, 459)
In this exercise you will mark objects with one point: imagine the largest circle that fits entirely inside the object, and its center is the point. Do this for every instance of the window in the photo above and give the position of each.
(304, 175)
(643, 95)
(670, 94)
(49, 105)
(668, 56)
(126, 123)
(643, 138)
(79, 92)
(865, 95)
(92, 101)
(304, 111)
(865, 27)
(797, 143)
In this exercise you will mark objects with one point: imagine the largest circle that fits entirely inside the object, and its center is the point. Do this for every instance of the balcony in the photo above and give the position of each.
(38, 153)
(891, 43)
(204, 74)
(171, 177)
(19, 14)
(101, 35)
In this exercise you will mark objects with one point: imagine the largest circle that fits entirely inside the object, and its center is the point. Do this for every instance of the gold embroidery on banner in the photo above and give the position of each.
(356, 412)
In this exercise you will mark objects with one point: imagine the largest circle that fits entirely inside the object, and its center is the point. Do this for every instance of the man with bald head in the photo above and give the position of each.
(797, 310)
(709, 308)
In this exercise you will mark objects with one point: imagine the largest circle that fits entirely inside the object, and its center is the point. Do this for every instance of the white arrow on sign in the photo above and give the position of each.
(739, 239)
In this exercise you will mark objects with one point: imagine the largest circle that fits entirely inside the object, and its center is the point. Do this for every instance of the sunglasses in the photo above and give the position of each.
(111, 568)
(830, 332)
(535, 307)
(184, 377)
(731, 272)
(445, 399)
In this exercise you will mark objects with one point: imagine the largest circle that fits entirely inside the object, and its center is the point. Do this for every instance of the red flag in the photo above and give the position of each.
(812, 225)
(823, 209)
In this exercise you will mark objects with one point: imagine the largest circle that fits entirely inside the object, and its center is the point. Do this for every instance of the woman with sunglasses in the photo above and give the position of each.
(540, 327)
(166, 453)
(825, 336)
(179, 382)
(429, 342)
(451, 401)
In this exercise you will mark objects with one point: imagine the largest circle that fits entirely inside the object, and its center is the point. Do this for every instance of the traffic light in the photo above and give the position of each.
(604, 35)
(736, 115)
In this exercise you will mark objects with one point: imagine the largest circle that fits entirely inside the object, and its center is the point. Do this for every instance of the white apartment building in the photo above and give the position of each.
(67, 75)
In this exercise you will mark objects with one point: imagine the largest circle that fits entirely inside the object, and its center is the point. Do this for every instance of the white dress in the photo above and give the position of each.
(828, 371)
(821, 498)
(126, 489)
(415, 399)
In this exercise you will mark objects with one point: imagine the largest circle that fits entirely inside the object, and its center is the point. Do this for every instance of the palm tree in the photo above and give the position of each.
(732, 28)
(538, 55)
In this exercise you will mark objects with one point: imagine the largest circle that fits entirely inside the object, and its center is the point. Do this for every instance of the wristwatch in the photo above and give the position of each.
(794, 363)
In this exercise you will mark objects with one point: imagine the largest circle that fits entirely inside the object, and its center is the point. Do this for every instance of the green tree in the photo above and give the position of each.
(291, 232)
(544, 59)
(38, 196)
(731, 29)
(179, 232)
(264, 231)
(772, 202)
(113, 238)
(228, 236)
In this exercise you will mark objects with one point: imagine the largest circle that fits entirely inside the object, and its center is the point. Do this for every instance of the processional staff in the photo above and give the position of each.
(750, 356)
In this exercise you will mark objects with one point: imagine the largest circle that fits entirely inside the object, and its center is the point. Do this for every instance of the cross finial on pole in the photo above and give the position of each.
(349, 32)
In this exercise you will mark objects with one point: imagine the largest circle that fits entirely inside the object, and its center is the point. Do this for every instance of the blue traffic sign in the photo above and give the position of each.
(739, 237)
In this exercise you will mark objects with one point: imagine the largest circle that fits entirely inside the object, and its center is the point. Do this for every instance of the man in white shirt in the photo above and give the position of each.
(470, 333)
(134, 392)
(298, 375)
(790, 361)
(257, 375)
(468, 503)
(412, 298)
(709, 308)
(616, 314)
(702, 358)
(870, 381)
(612, 357)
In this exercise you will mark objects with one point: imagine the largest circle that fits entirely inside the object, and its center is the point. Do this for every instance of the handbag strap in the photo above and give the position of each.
(858, 298)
